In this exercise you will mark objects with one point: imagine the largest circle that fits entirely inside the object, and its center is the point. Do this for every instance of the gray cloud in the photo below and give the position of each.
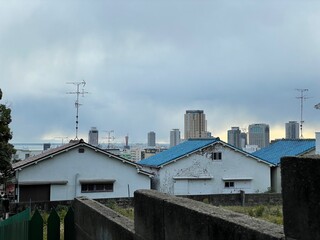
(145, 63)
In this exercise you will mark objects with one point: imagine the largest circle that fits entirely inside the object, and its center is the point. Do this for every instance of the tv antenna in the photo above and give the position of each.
(302, 98)
(77, 104)
(109, 138)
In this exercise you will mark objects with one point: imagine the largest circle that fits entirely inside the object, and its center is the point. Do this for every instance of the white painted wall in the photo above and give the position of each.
(234, 165)
(72, 167)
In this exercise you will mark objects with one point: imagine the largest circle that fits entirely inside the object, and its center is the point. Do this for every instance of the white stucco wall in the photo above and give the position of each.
(276, 179)
(73, 167)
(234, 165)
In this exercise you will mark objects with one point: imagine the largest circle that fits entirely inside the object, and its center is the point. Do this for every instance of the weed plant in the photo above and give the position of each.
(271, 213)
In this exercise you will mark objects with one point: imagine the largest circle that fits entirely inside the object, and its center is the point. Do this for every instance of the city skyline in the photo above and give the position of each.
(146, 63)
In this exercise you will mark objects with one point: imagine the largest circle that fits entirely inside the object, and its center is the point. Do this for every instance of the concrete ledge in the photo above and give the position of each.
(95, 221)
(160, 216)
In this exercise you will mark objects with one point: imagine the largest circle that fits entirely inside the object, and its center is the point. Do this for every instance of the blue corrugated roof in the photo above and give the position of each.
(285, 147)
(177, 151)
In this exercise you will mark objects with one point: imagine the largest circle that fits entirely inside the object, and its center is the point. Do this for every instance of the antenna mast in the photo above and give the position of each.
(109, 138)
(77, 104)
(302, 98)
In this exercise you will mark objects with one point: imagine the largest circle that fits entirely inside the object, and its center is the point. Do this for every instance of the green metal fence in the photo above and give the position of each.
(15, 227)
(24, 227)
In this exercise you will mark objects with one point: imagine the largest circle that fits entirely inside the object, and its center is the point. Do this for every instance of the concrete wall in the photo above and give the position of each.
(236, 199)
(160, 216)
(94, 221)
(301, 197)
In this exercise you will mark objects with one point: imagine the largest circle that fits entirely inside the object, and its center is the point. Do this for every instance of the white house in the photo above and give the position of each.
(207, 166)
(282, 148)
(77, 169)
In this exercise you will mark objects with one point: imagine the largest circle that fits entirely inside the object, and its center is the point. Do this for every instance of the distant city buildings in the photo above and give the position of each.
(93, 138)
(234, 137)
(292, 130)
(243, 140)
(151, 139)
(195, 124)
(237, 138)
(259, 134)
(174, 137)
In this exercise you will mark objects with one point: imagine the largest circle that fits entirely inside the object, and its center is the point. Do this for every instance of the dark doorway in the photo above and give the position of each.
(35, 193)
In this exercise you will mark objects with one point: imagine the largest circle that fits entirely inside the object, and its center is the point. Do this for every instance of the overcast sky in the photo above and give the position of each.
(146, 62)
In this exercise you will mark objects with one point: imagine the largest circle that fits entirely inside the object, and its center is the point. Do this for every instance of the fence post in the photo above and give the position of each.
(69, 229)
(36, 226)
(53, 226)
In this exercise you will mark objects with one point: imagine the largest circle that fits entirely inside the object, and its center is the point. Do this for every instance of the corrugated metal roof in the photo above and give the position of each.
(177, 151)
(285, 147)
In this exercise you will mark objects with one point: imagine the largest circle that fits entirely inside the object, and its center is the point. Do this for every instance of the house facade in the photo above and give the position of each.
(207, 166)
(77, 169)
(284, 148)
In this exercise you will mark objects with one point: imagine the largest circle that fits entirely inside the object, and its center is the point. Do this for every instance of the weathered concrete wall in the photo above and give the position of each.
(159, 216)
(301, 197)
(94, 221)
(251, 199)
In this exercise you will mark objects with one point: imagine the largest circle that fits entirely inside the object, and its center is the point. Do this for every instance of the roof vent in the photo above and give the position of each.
(81, 150)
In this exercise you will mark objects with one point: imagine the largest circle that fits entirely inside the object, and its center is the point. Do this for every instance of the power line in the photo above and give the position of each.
(77, 103)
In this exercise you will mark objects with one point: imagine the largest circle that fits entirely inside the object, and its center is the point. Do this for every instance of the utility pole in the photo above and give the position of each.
(302, 98)
(77, 104)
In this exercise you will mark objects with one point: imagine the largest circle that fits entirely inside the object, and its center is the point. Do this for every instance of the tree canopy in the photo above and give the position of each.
(6, 149)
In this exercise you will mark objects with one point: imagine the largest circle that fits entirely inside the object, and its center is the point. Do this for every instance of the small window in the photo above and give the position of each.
(81, 150)
(97, 187)
(229, 184)
(216, 155)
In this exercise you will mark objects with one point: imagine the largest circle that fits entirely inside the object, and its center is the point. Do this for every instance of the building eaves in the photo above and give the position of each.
(50, 153)
(45, 154)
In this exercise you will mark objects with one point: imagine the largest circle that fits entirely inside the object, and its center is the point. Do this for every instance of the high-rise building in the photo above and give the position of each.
(292, 130)
(93, 136)
(174, 137)
(151, 139)
(259, 134)
(243, 140)
(234, 137)
(195, 124)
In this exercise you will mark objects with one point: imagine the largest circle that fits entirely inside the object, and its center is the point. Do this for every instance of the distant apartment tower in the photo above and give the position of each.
(195, 124)
(151, 139)
(93, 136)
(292, 130)
(234, 137)
(243, 140)
(259, 134)
(174, 137)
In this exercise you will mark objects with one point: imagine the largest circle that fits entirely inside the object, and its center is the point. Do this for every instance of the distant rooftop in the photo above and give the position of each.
(177, 151)
(285, 147)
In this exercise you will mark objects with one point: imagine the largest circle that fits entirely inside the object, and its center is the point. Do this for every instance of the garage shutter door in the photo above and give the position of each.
(35, 193)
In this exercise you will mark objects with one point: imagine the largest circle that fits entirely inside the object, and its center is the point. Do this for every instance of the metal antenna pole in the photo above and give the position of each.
(302, 98)
(109, 137)
(77, 104)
